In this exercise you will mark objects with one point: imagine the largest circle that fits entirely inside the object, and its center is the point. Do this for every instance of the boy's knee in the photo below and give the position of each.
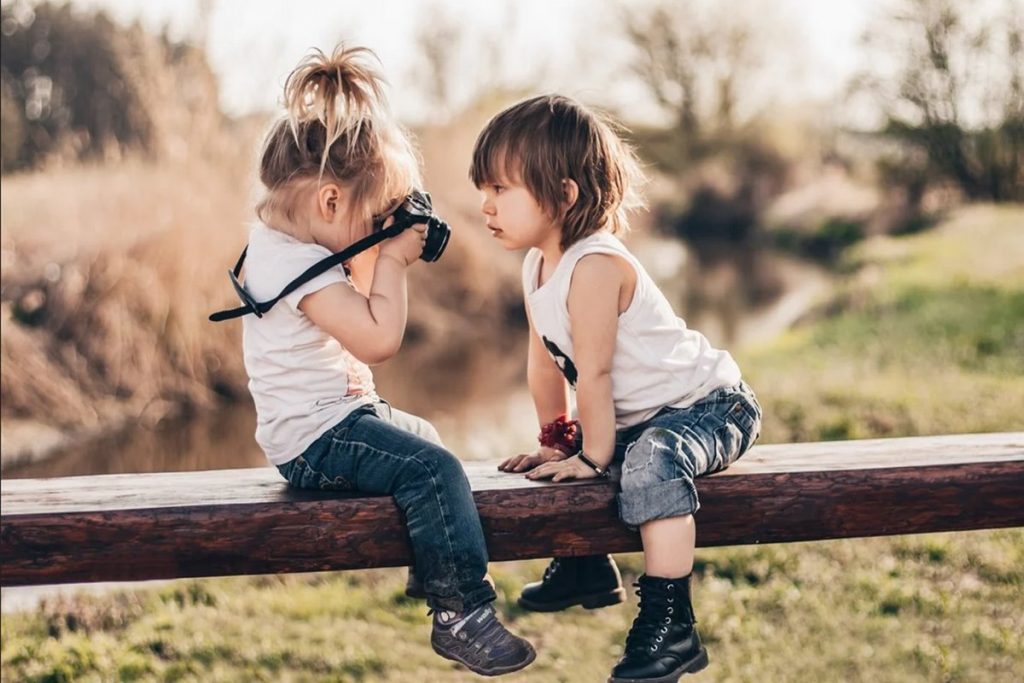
(653, 458)
(657, 478)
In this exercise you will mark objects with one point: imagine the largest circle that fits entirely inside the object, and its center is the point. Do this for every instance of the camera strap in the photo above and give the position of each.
(258, 308)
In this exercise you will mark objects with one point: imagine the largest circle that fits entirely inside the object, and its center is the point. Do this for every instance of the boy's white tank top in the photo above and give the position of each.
(658, 361)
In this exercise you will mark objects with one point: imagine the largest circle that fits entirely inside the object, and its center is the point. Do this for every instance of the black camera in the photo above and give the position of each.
(415, 209)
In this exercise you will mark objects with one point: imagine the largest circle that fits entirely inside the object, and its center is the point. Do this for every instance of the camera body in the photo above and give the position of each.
(417, 208)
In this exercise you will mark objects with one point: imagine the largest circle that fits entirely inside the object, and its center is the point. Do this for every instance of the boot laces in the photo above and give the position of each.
(552, 569)
(657, 612)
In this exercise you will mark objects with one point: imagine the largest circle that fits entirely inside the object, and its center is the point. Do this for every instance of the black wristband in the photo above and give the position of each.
(601, 471)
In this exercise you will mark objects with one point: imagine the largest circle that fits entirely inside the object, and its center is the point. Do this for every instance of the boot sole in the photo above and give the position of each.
(496, 671)
(589, 601)
(699, 662)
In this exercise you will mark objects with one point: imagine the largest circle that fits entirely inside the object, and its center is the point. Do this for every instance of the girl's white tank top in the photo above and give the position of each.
(658, 361)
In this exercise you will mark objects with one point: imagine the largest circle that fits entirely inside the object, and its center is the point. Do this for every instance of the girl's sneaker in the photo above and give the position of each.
(480, 642)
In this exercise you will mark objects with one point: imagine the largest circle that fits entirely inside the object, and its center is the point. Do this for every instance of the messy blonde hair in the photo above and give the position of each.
(545, 140)
(337, 126)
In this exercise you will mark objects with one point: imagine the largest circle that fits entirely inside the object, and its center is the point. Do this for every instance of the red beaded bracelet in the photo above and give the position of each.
(560, 434)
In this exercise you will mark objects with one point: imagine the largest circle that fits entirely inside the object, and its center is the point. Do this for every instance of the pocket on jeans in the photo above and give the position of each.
(731, 441)
(303, 476)
(745, 415)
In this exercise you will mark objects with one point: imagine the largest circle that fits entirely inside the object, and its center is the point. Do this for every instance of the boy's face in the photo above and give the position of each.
(514, 217)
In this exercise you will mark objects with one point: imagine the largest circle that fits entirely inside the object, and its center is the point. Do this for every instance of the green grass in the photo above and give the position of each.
(942, 607)
(927, 338)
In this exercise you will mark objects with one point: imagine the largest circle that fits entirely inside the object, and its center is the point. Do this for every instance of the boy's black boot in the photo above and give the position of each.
(591, 581)
(663, 644)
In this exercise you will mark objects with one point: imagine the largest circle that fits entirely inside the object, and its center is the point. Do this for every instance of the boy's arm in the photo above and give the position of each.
(593, 305)
(548, 388)
(550, 393)
(370, 327)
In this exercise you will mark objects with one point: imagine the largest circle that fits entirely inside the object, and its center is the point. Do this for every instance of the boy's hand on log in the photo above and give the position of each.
(566, 470)
(527, 461)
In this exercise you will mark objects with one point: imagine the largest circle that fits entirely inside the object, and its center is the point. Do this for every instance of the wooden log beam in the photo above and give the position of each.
(226, 522)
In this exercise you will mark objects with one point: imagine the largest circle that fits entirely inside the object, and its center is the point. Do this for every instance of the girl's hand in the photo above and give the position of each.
(527, 461)
(406, 247)
(564, 470)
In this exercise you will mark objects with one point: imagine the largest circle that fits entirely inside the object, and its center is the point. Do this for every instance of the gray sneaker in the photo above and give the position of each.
(482, 643)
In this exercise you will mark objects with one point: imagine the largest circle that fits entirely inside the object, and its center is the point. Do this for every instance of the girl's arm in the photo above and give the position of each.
(550, 393)
(594, 304)
(370, 326)
(362, 266)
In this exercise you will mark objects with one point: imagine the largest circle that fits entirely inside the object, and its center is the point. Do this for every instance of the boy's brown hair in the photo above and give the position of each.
(547, 139)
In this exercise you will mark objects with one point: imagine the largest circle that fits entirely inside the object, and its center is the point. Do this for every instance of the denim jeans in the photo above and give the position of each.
(377, 449)
(662, 456)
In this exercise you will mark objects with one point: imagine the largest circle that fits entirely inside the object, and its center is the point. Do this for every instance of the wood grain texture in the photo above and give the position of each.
(226, 522)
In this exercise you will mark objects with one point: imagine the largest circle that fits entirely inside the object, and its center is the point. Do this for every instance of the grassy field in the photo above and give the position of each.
(927, 337)
(944, 607)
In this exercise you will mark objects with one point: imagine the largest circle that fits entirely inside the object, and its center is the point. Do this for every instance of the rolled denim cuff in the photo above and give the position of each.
(672, 498)
(465, 603)
(478, 597)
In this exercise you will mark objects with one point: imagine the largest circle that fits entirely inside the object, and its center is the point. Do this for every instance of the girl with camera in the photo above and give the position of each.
(651, 394)
(336, 170)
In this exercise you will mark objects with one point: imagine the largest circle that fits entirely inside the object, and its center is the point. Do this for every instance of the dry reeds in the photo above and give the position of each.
(108, 275)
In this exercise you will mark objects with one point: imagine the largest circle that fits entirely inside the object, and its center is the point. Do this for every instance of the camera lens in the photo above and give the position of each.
(438, 234)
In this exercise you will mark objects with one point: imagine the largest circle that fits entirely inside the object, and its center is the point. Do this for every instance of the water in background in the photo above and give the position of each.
(475, 395)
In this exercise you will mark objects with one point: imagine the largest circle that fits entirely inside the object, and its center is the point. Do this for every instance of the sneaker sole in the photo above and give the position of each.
(589, 601)
(496, 671)
(699, 662)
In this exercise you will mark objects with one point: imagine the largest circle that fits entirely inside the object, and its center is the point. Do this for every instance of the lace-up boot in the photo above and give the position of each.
(591, 581)
(662, 644)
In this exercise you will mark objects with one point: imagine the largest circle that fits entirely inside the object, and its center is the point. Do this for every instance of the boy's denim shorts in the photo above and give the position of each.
(661, 457)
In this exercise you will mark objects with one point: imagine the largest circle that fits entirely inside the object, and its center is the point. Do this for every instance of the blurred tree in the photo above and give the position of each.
(703, 64)
(439, 41)
(697, 64)
(64, 87)
(77, 86)
(12, 120)
(698, 61)
(461, 65)
(950, 81)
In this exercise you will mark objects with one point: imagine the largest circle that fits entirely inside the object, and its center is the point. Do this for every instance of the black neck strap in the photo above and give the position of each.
(258, 308)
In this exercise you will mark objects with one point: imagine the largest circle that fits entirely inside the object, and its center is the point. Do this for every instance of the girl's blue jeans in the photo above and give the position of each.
(662, 456)
(377, 449)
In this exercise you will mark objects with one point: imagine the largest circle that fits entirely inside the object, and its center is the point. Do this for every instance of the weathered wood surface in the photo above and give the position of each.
(225, 522)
